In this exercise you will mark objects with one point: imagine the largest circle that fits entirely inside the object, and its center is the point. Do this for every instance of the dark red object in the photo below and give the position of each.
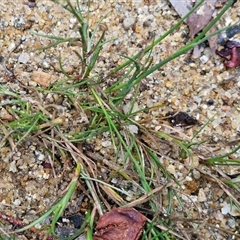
(235, 58)
(46, 165)
(120, 224)
(231, 52)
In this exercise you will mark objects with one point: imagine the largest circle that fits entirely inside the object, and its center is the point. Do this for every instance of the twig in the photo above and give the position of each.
(223, 230)
(8, 137)
(223, 186)
(147, 196)
(8, 56)
(169, 231)
(21, 224)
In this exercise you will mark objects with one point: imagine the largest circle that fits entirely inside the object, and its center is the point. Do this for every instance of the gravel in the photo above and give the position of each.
(202, 87)
(128, 22)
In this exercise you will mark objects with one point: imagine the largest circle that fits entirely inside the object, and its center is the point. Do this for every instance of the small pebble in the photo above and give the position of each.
(188, 179)
(114, 180)
(196, 174)
(219, 216)
(210, 102)
(23, 58)
(204, 59)
(45, 65)
(118, 7)
(12, 167)
(230, 209)
(107, 144)
(171, 169)
(19, 23)
(133, 128)
(128, 22)
(40, 156)
(44, 79)
(128, 107)
(201, 196)
(231, 222)
(17, 202)
(4, 115)
(169, 84)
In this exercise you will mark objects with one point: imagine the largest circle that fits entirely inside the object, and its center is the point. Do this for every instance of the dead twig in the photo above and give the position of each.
(147, 196)
(18, 223)
(222, 185)
(10, 73)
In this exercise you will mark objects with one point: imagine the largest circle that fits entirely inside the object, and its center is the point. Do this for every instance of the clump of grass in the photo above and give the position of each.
(26, 118)
(104, 116)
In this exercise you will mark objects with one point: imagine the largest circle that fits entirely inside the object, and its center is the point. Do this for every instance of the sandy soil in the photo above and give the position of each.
(201, 86)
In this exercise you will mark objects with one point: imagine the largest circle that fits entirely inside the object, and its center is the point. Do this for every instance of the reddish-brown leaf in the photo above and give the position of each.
(212, 41)
(198, 20)
(235, 58)
(120, 224)
(231, 52)
(181, 7)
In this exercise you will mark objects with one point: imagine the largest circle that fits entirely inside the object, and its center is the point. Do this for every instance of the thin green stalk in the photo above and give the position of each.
(113, 128)
(149, 48)
(199, 39)
(58, 208)
(31, 128)
(85, 177)
(203, 126)
(224, 159)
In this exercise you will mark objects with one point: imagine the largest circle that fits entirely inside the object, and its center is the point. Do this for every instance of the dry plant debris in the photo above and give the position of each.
(201, 17)
(120, 224)
(36, 171)
(231, 53)
(181, 119)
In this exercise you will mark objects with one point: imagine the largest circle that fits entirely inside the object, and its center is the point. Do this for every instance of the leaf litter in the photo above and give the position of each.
(199, 19)
(120, 224)
(231, 53)
(118, 221)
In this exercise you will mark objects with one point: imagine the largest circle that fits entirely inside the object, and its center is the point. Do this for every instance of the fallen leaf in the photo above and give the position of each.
(212, 41)
(120, 224)
(182, 7)
(199, 19)
(231, 53)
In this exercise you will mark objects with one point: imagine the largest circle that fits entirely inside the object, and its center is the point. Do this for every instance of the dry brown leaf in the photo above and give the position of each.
(182, 7)
(120, 224)
(112, 194)
(231, 52)
(181, 119)
(212, 41)
(198, 20)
